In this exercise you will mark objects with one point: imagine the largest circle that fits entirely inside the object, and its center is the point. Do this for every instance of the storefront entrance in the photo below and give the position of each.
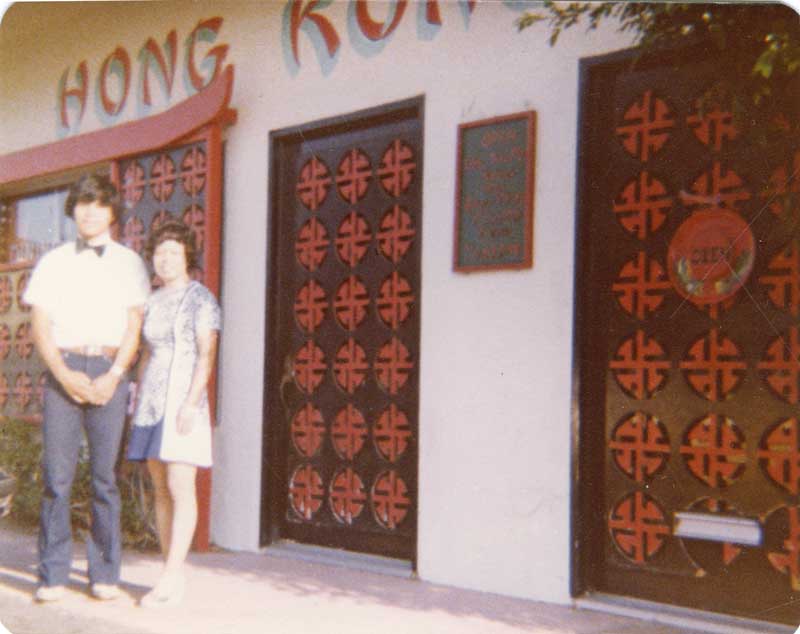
(687, 348)
(342, 354)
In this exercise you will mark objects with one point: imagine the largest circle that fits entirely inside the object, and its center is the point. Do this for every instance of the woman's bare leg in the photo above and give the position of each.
(181, 483)
(162, 503)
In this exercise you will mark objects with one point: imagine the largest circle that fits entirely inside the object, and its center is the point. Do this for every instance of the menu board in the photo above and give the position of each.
(494, 193)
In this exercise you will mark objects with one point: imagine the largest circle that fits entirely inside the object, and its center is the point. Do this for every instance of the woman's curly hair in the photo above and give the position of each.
(172, 230)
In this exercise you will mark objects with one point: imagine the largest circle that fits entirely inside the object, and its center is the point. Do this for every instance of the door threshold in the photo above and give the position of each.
(698, 620)
(337, 557)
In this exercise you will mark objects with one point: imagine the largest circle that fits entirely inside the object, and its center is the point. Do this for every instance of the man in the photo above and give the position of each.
(87, 299)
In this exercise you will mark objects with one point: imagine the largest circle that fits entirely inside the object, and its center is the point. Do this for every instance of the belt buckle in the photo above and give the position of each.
(94, 351)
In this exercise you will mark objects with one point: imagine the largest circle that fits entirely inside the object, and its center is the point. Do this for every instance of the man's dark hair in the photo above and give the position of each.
(90, 188)
(172, 230)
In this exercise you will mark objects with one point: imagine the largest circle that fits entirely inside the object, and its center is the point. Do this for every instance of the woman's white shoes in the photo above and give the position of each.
(169, 594)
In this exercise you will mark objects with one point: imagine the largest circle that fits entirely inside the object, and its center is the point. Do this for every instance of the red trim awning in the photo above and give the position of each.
(134, 137)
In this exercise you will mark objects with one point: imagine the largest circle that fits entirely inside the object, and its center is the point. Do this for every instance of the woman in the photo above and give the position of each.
(171, 426)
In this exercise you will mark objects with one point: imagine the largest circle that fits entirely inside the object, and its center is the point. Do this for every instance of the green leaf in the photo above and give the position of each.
(764, 64)
(529, 19)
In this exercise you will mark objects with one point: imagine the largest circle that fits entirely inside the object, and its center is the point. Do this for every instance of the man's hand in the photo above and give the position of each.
(103, 388)
(186, 419)
(78, 385)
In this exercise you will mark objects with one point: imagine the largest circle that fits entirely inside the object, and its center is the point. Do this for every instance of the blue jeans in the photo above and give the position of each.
(64, 421)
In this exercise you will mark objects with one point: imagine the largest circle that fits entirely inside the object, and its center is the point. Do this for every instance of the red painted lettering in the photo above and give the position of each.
(432, 15)
(152, 54)
(205, 30)
(378, 30)
(326, 30)
(79, 93)
(117, 63)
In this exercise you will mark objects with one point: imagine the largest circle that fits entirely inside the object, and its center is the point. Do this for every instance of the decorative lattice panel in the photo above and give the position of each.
(166, 185)
(22, 372)
(693, 294)
(350, 276)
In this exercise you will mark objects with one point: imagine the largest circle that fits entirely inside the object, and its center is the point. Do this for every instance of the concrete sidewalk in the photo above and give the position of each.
(260, 593)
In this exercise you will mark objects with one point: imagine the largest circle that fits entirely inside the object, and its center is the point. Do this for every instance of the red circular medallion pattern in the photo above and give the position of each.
(714, 450)
(640, 446)
(390, 500)
(5, 340)
(348, 495)
(309, 367)
(22, 284)
(352, 239)
(351, 302)
(393, 365)
(396, 234)
(194, 217)
(310, 305)
(714, 366)
(642, 205)
(780, 366)
(712, 126)
(133, 234)
(779, 454)
(397, 168)
(348, 432)
(350, 366)
(305, 491)
(23, 340)
(162, 178)
(159, 219)
(395, 299)
(392, 433)
(314, 183)
(638, 527)
(307, 430)
(193, 171)
(4, 390)
(782, 542)
(311, 247)
(641, 286)
(782, 278)
(640, 365)
(353, 175)
(646, 126)
(133, 183)
(6, 293)
(23, 391)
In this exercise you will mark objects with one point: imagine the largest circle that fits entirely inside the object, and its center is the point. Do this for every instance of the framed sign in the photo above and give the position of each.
(494, 193)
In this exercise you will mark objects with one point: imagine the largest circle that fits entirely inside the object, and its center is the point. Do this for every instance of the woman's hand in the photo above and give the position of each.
(187, 415)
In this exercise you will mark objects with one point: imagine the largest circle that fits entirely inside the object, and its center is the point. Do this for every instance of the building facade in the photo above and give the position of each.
(515, 422)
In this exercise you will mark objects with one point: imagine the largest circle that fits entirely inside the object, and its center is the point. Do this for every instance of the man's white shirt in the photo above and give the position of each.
(87, 296)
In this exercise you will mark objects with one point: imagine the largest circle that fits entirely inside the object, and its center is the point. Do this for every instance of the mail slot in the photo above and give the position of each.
(718, 528)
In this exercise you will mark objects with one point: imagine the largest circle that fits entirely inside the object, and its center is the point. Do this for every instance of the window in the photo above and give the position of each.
(33, 225)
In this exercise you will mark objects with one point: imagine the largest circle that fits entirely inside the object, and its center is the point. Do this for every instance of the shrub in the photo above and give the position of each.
(21, 455)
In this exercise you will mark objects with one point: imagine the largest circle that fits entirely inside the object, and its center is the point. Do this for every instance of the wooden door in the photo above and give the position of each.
(688, 347)
(343, 349)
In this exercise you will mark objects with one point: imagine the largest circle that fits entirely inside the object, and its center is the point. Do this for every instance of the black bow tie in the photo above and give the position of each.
(82, 245)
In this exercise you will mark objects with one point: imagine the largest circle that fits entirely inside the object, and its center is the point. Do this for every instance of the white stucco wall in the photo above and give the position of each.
(494, 439)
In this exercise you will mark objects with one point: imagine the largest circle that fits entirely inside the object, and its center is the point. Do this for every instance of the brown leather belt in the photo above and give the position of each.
(109, 352)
